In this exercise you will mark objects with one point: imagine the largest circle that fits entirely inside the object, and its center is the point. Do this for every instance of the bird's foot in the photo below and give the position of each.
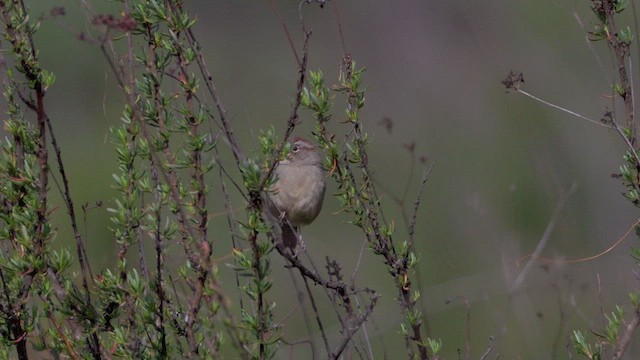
(300, 248)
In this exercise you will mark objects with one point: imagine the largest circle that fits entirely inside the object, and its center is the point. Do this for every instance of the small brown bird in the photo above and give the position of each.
(299, 191)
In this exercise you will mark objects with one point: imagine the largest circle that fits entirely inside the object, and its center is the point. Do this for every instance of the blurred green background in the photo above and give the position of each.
(502, 161)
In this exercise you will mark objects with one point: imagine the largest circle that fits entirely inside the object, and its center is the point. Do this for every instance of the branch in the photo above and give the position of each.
(624, 340)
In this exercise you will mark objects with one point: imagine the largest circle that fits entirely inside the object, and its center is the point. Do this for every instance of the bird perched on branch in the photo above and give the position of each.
(299, 191)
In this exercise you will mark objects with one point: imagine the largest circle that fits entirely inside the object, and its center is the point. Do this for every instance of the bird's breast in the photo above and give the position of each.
(299, 192)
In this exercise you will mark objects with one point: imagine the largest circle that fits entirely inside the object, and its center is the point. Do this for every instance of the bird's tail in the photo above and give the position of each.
(289, 235)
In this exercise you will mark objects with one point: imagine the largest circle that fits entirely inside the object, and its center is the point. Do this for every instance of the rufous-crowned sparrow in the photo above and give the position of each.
(299, 191)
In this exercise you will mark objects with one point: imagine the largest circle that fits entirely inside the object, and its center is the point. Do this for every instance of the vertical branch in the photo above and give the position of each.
(213, 92)
(159, 288)
(620, 45)
(85, 270)
(18, 31)
(293, 117)
(627, 335)
(68, 200)
(35, 75)
(400, 260)
(259, 265)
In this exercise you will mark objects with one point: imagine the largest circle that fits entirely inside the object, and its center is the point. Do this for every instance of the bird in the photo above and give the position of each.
(298, 192)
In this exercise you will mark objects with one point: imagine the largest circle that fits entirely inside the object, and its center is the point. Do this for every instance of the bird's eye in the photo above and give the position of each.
(294, 148)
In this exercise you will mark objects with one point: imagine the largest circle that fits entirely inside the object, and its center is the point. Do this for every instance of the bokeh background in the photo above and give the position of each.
(501, 162)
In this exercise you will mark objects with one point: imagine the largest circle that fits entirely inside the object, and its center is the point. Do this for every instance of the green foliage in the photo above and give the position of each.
(619, 41)
(162, 297)
(28, 267)
(435, 345)
(584, 348)
(317, 97)
(348, 164)
(613, 325)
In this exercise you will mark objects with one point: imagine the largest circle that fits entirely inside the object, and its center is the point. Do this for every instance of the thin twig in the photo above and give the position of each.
(316, 313)
(489, 349)
(303, 308)
(627, 335)
(589, 258)
(293, 117)
(520, 91)
(231, 220)
(589, 43)
(416, 203)
(213, 92)
(84, 266)
(346, 338)
(545, 237)
(285, 30)
(621, 51)
(365, 332)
